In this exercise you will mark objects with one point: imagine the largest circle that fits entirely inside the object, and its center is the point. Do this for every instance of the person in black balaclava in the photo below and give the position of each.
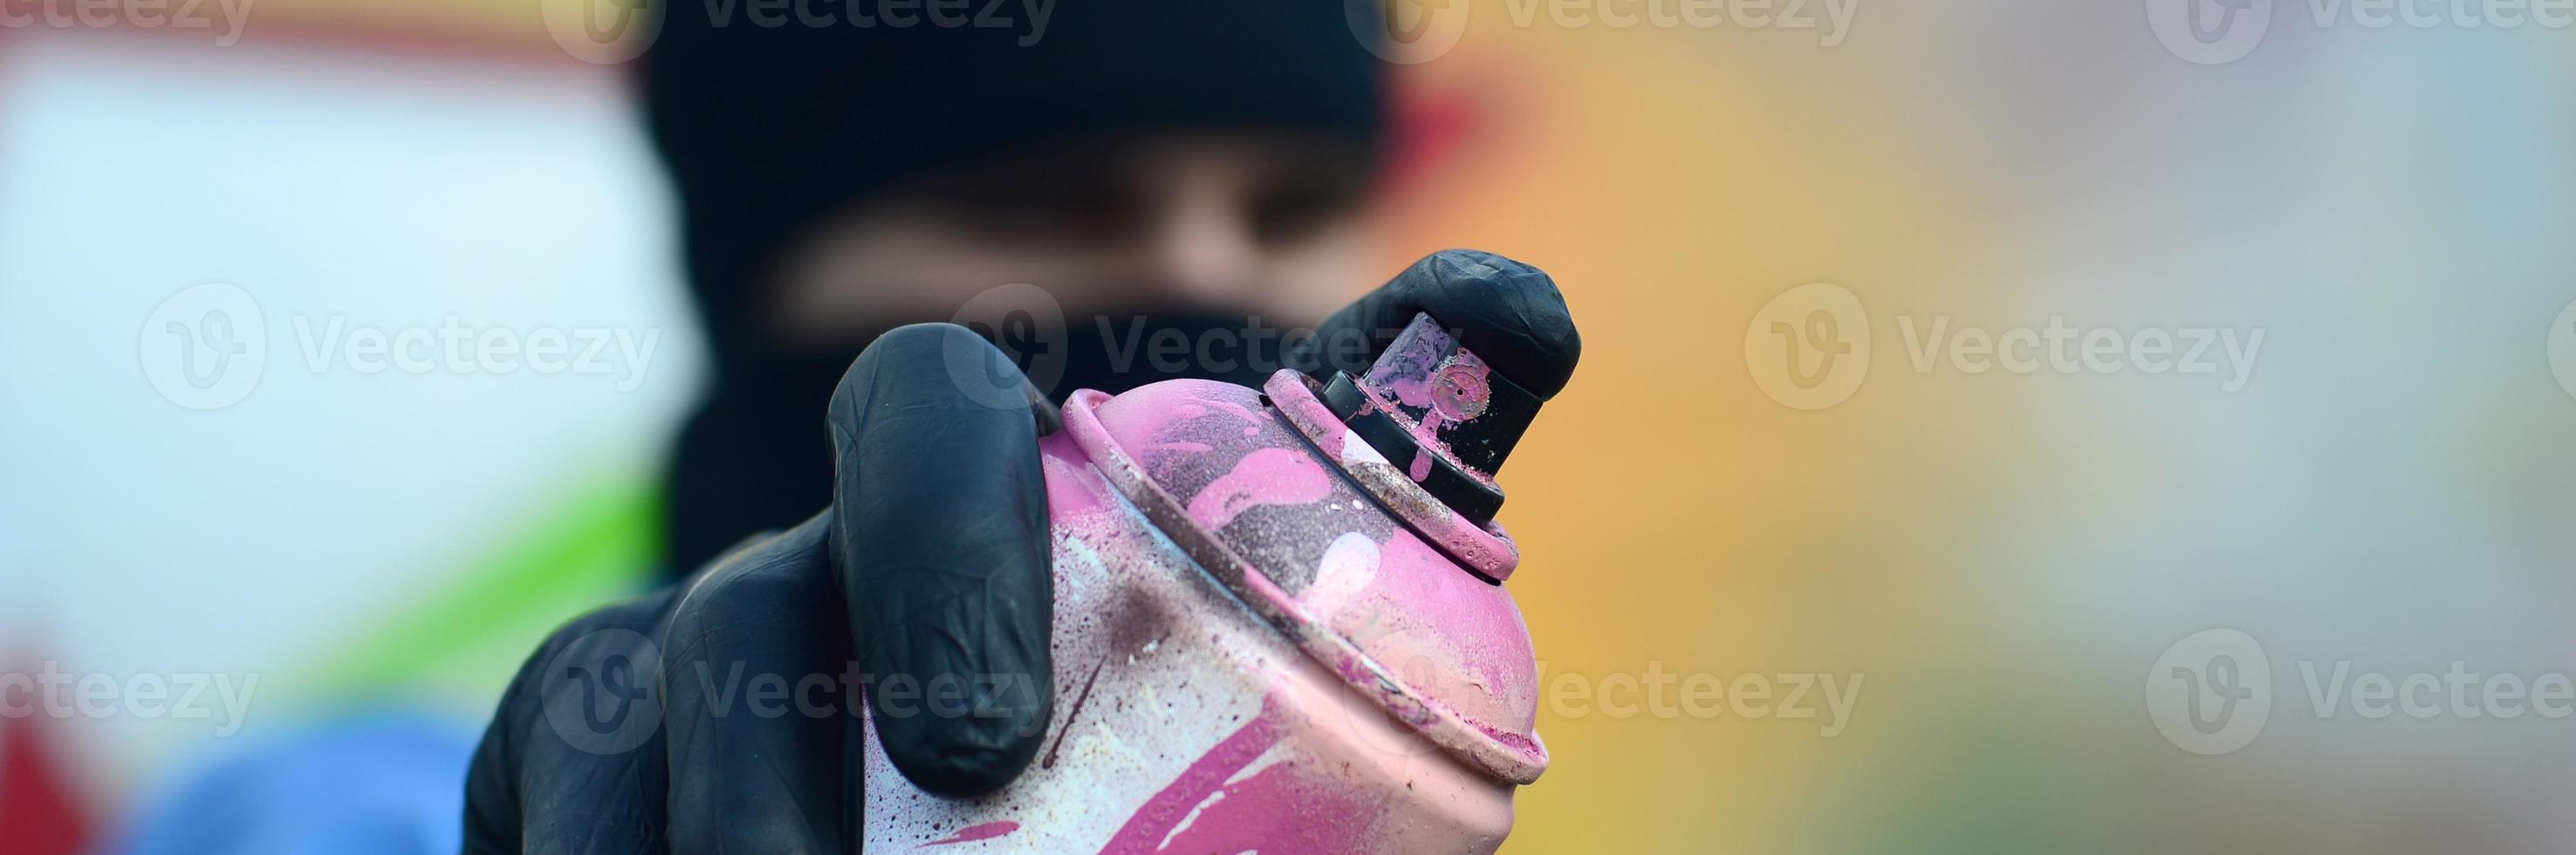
(1077, 188)
(1204, 161)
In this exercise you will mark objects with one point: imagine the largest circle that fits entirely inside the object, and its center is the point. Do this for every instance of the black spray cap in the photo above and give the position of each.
(1439, 412)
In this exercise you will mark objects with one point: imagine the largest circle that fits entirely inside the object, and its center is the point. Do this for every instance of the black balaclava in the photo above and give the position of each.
(767, 130)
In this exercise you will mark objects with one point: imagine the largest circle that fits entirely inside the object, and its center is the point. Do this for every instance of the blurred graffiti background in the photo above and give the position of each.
(1974, 360)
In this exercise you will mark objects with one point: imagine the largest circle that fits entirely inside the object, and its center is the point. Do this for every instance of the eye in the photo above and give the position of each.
(1057, 199)
(1292, 210)
(1056, 208)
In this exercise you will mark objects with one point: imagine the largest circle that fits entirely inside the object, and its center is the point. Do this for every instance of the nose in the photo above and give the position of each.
(1203, 246)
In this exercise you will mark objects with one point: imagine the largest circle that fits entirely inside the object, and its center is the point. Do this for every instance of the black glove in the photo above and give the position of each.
(659, 724)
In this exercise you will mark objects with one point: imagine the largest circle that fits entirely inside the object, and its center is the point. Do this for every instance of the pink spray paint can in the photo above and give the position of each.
(1280, 624)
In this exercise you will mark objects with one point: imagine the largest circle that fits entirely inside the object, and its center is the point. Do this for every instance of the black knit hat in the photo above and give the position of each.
(768, 129)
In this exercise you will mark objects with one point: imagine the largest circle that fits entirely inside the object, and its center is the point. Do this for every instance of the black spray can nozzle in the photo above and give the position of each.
(1438, 412)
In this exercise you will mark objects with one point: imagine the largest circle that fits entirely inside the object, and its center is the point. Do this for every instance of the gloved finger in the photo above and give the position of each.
(1509, 313)
(754, 670)
(939, 534)
(573, 761)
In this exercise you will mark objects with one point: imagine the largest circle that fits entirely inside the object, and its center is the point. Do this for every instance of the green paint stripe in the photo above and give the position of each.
(464, 644)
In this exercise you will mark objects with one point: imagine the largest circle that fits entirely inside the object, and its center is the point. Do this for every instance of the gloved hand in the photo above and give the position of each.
(718, 715)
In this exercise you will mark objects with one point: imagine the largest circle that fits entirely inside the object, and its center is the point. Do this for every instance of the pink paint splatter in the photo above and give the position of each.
(1479, 628)
(1269, 476)
(972, 833)
(1275, 809)
(1146, 828)
(1347, 568)
(1073, 488)
(1413, 391)
(1246, 413)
